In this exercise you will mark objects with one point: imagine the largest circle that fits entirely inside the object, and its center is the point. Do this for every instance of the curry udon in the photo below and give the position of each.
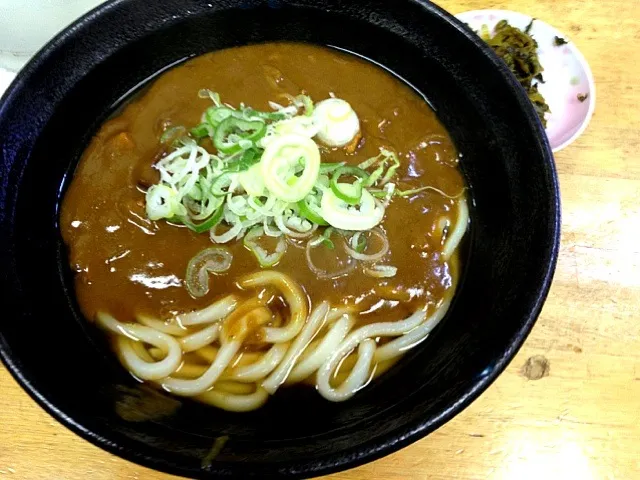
(267, 215)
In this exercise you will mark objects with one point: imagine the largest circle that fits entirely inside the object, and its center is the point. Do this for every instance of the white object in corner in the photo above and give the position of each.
(27, 25)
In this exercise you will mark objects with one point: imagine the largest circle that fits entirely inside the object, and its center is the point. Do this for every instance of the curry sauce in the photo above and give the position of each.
(126, 264)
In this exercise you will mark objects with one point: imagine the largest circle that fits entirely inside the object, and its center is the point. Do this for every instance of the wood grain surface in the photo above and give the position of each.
(581, 420)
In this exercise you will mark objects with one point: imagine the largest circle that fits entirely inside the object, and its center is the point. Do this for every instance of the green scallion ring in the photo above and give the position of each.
(219, 183)
(201, 131)
(172, 134)
(328, 167)
(245, 129)
(326, 238)
(249, 158)
(216, 115)
(311, 213)
(207, 224)
(362, 176)
(251, 113)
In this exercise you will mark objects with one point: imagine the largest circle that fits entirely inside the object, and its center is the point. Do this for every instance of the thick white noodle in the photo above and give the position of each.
(169, 327)
(293, 296)
(382, 329)
(311, 361)
(337, 313)
(313, 325)
(139, 367)
(137, 362)
(458, 231)
(236, 388)
(200, 339)
(138, 347)
(190, 370)
(261, 368)
(208, 353)
(358, 377)
(398, 346)
(196, 386)
(233, 402)
(214, 312)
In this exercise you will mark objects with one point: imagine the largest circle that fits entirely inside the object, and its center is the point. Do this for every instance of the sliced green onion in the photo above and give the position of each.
(201, 207)
(299, 101)
(195, 195)
(321, 272)
(351, 196)
(375, 175)
(340, 214)
(265, 182)
(381, 160)
(207, 224)
(408, 193)
(223, 138)
(299, 125)
(294, 226)
(322, 182)
(358, 242)
(385, 193)
(370, 162)
(326, 238)
(172, 134)
(201, 131)
(392, 169)
(307, 103)
(206, 93)
(290, 166)
(162, 202)
(251, 114)
(214, 260)
(235, 231)
(265, 258)
(381, 271)
(353, 249)
(252, 182)
(185, 141)
(328, 167)
(269, 230)
(216, 115)
(221, 183)
(310, 209)
(249, 158)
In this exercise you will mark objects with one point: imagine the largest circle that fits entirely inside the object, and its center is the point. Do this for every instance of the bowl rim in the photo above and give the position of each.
(383, 445)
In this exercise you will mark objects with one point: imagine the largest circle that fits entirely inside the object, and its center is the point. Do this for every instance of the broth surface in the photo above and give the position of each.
(128, 265)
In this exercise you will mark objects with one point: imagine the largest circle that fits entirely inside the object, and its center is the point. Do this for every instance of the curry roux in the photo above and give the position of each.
(127, 264)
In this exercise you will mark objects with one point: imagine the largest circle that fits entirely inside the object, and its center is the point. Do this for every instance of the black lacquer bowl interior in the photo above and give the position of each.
(57, 102)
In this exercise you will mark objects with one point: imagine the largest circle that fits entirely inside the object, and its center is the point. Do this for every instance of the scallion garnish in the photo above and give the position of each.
(353, 196)
(232, 131)
(264, 181)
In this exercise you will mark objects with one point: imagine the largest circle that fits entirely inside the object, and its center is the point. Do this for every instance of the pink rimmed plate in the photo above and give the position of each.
(569, 88)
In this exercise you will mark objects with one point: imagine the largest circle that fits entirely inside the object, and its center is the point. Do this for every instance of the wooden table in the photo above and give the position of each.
(582, 421)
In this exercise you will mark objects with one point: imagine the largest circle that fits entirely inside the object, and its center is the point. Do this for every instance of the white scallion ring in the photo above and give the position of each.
(290, 166)
(336, 121)
(339, 214)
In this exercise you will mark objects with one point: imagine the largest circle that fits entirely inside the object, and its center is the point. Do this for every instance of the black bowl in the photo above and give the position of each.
(58, 101)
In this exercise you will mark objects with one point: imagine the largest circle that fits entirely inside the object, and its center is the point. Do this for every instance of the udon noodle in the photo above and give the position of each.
(308, 242)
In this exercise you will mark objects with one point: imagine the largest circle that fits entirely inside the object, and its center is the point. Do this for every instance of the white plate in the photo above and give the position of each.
(26, 25)
(566, 73)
